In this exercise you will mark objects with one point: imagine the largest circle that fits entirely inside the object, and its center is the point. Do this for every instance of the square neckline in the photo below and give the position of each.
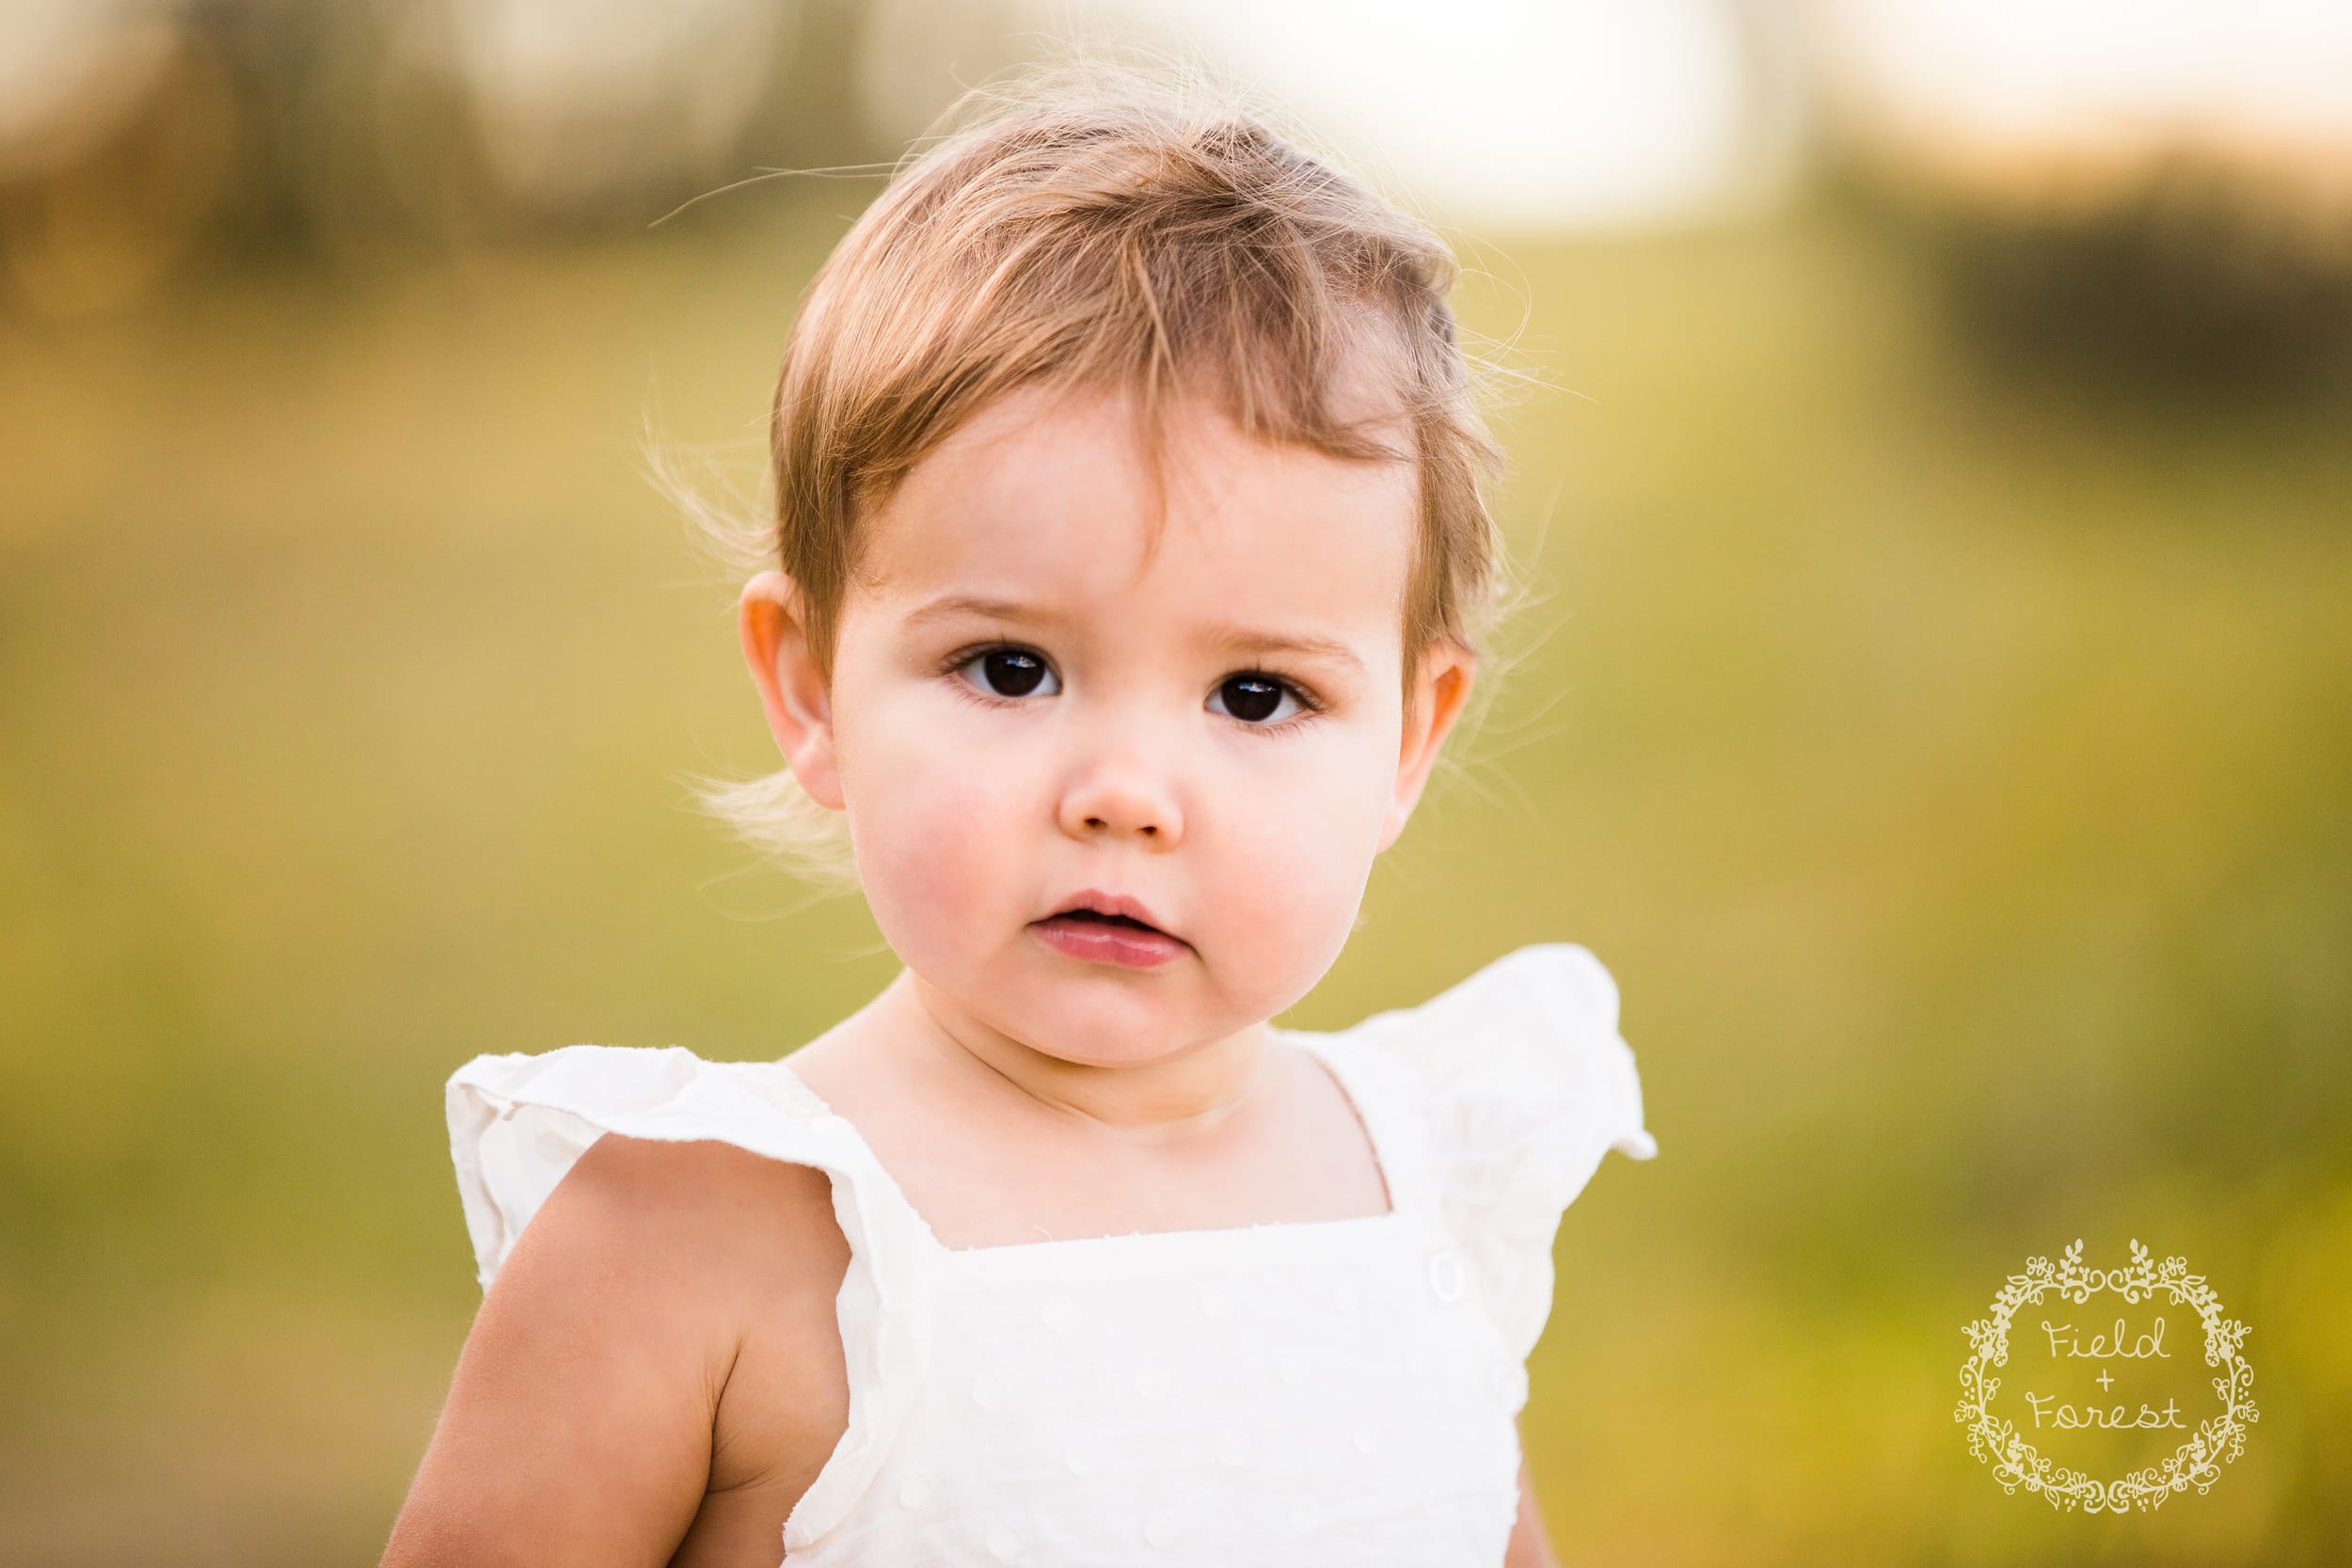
(1386, 1159)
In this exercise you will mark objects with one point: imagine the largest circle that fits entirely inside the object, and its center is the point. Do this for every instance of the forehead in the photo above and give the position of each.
(1047, 498)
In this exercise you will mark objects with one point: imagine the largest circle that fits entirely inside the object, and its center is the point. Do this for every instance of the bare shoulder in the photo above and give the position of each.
(655, 1368)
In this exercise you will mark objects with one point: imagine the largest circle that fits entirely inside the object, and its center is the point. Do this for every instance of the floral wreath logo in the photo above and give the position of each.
(2198, 1461)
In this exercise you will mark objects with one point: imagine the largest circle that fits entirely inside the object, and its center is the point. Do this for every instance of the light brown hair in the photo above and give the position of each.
(1093, 225)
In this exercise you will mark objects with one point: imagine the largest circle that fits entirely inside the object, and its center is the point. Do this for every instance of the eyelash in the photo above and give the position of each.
(1307, 699)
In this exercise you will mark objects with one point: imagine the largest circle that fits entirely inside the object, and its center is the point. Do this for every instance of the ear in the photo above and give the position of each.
(1440, 688)
(791, 688)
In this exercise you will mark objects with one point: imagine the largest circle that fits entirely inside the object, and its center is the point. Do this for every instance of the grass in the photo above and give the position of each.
(1952, 778)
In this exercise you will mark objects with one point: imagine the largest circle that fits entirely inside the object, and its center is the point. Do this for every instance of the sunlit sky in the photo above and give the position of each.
(1510, 114)
(1595, 114)
(2032, 71)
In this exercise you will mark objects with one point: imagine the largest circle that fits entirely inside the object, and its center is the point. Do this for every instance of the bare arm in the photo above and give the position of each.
(1529, 1547)
(579, 1425)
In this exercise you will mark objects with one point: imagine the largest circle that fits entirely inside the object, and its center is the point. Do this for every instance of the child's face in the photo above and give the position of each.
(1130, 751)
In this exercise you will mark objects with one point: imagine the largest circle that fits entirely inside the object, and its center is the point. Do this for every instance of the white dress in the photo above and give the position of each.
(1322, 1391)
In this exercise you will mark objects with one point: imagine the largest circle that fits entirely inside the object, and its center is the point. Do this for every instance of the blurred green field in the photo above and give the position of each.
(1954, 779)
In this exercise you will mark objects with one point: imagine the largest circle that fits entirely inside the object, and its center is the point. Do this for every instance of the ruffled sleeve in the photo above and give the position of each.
(518, 1122)
(1523, 1083)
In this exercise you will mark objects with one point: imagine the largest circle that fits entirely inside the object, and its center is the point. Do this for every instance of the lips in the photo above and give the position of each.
(1102, 927)
(1113, 908)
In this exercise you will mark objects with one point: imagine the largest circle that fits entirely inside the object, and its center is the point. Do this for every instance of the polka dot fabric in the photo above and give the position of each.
(1334, 1391)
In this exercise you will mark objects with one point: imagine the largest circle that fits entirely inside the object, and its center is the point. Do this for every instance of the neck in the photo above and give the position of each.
(1189, 1092)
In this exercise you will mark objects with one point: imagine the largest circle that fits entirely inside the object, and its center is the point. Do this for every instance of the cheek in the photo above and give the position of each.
(926, 819)
(1302, 840)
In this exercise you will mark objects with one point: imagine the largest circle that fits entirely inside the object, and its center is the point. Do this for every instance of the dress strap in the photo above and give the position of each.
(518, 1122)
(1518, 1083)
(1382, 1098)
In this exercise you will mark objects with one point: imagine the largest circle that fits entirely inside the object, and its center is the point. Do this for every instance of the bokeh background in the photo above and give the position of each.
(1939, 715)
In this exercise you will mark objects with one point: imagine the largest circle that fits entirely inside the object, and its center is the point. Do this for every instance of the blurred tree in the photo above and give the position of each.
(2193, 276)
(2203, 275)
(278, 133)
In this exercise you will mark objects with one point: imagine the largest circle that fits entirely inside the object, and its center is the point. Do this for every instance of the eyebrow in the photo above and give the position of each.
(1231, 639)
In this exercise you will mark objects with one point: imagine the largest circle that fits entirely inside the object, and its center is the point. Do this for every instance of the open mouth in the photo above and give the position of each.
(1091, 936)
(1096, 917)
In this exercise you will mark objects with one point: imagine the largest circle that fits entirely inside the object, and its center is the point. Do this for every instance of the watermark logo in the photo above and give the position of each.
(2110, 1388)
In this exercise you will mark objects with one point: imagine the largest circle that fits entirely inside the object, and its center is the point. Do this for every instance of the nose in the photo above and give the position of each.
(1118, 793)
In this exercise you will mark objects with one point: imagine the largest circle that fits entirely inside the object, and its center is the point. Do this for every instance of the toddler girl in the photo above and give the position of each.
(1127, 561)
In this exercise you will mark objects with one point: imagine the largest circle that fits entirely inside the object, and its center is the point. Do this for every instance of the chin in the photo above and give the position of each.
(1126, 1031)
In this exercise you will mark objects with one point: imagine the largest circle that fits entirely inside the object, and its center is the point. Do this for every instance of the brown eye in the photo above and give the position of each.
(1008, 672)
(1254, 699)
